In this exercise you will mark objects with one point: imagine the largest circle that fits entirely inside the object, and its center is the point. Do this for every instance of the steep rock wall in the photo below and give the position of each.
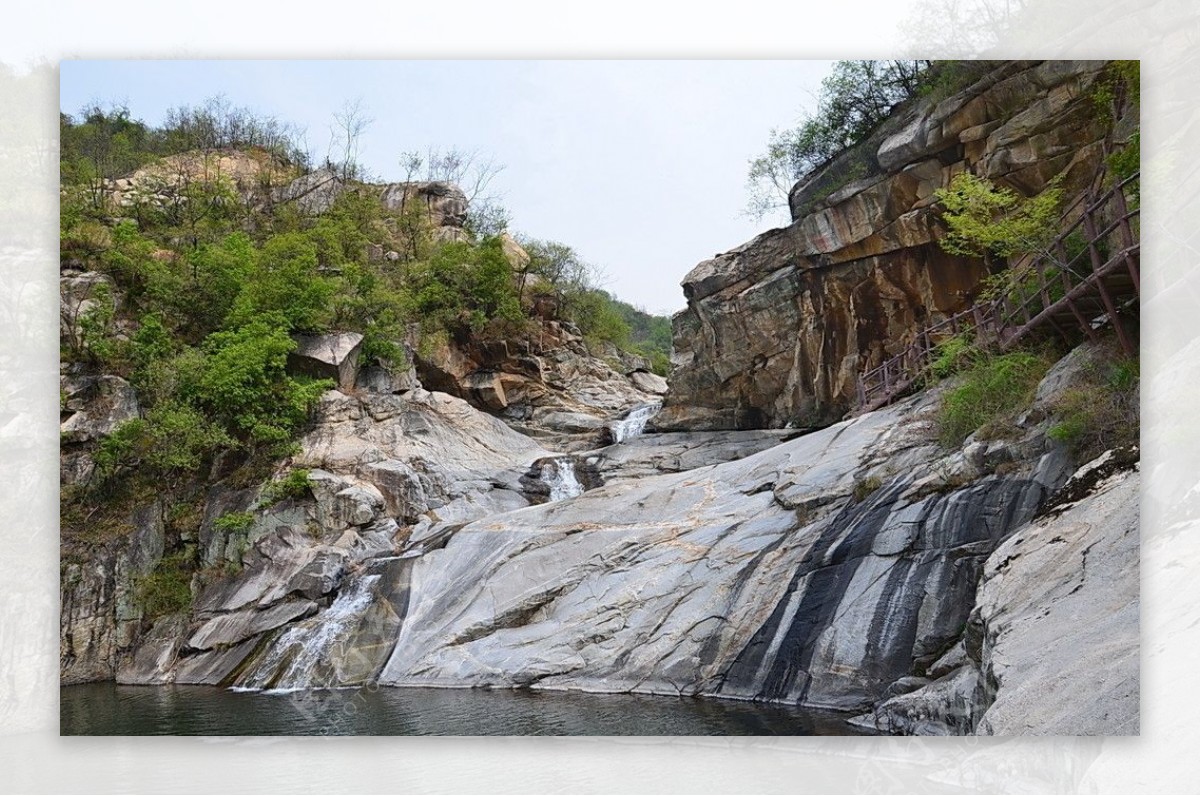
(777, 330)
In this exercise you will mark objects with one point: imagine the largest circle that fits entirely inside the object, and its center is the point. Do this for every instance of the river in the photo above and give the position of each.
(109, 709)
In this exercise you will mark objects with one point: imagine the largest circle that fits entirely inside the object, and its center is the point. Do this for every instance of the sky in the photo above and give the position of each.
(640, 166)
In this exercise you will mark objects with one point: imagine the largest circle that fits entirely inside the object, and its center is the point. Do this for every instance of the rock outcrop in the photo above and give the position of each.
(328, 356)
(548, 383)
(776, 331)
(1052, 644)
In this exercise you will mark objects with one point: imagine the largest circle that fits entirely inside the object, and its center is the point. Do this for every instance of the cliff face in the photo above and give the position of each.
(777, 330)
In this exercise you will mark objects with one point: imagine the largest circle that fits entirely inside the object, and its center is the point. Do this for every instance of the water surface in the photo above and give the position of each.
(109, 709)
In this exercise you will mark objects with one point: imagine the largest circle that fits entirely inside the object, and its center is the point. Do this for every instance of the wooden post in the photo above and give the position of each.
(1111, 308)
(1123, 218)
(1131, 264)
(1089, 224)
(1084, 324)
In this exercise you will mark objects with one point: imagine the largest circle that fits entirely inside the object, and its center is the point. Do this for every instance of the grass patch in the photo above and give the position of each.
(292, 485)
(1100, 412)
(993, 389)
(865, 487)
(168, 588)
(234, 522)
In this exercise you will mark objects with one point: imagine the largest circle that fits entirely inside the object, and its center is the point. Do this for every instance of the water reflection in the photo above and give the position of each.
(108, 709)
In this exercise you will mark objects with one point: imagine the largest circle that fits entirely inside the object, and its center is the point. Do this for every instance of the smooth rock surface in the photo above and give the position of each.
(1059, 610)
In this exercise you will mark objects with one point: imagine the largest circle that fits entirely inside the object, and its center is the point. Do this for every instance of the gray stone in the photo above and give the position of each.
(376, 378)
(649, 382)
(95, 406)
(328, 356)
(233, 628)
(313, 193)
(1058, 610)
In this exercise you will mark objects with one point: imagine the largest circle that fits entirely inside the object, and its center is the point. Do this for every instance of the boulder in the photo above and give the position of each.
(328, 356)
(649, 382)
(312, 193)
(94, 407)
(444, 202)
(1058, 616)
(380, 379)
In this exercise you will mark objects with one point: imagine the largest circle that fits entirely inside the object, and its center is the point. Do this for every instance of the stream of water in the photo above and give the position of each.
(634, 423)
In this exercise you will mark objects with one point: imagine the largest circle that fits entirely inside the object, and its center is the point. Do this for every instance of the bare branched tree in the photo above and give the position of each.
(473, 173)
(350, 122)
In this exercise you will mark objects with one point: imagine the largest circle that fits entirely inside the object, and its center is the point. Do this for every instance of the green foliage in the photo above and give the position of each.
(945, 78)
(1100, 411)
(993, 388)
(464, 287)
(988, 221)
(293, 485)
(245, 386)
(167, 589)
(234, 522)
(286, 286)
(952, 355)
(1126, 161)
(173, 439)
(596, 314)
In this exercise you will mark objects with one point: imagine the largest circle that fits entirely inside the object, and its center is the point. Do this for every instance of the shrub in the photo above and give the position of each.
(952, 355)
(993, 388)
(293, 485)
(234, 522)
(285, 284)
(244, 384)
(167, 589)
(986, 221)
(1100, 412)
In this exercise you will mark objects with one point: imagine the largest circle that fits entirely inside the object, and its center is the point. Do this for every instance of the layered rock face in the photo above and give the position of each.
(835, 569)
(776, 331)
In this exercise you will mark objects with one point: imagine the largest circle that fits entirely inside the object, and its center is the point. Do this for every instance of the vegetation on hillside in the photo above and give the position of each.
(208, 275)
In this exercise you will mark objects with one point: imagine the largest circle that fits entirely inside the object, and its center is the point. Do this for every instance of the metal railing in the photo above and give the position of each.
(1058, 289)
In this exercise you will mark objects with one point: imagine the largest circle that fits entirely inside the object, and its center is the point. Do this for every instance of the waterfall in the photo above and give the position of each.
(559, 475)
(634, 422)
(315, 644)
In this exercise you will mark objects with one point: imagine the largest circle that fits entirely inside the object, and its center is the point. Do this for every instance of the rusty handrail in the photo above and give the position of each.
(1007, 319)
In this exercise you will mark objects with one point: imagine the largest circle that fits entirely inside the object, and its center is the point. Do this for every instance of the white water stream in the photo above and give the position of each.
(559, 475)
(633, 423)
(295, 654)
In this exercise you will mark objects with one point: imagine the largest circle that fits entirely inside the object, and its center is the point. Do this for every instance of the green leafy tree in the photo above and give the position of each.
(286, 283)
(854, 99)
(244, 384)
(986, 221)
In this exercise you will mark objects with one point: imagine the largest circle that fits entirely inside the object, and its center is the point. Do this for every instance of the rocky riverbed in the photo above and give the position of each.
(860, 567)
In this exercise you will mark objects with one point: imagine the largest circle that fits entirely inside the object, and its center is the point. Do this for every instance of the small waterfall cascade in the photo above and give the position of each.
(559, 475)
(634, 423)
(307, 655)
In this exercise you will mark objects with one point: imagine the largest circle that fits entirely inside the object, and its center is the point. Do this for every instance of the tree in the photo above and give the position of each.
(854, 99)
(473, 173)
(986, 221)
(350, 122)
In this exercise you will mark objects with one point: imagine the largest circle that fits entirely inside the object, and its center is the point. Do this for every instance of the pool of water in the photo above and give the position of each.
(108, 709)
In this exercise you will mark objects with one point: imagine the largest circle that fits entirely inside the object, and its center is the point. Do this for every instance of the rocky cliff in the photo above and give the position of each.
(777, 330)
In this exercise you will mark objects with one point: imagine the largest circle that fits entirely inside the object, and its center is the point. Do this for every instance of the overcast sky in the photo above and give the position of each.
(639, 165)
